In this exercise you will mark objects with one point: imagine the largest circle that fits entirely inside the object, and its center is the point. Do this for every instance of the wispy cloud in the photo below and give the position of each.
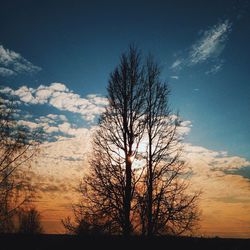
(177, 64)
(12, 63)
(207, 48)
(211, 44)
(175, 77)
(6, 72)
(215, 68)
(60, 97)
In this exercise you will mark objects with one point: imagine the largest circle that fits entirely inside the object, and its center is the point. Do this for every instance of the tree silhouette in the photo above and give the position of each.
(134, 183)
(164, 206)
(110, 184)
(84, 223)
(17, 146)
(29, 222)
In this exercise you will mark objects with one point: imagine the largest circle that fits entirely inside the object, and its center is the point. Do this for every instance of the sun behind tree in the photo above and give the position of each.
(128, 191)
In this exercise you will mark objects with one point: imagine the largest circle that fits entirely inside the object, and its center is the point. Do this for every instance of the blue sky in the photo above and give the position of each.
(55, 60)
(78, 43)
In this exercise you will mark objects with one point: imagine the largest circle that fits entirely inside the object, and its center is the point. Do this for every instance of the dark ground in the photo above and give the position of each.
(40, 242)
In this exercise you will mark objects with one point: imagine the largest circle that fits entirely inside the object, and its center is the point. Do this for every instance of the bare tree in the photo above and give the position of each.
(84, 223)
(17, 146)
(164, 206)
(110, 184)
(29, 222)
(130, 187)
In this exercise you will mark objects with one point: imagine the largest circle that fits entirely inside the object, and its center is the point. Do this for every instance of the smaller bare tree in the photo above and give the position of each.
(164, 204)
(84, 223)
(29, 221)
(18, 145)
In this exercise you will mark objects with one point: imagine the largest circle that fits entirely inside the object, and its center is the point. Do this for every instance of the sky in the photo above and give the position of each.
(55, 60)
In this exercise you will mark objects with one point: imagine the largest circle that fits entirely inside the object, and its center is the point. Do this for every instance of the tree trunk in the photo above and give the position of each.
(150, 190)
(127, 202)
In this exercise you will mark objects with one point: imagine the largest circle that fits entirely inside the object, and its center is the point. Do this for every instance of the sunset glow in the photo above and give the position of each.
(55, 62)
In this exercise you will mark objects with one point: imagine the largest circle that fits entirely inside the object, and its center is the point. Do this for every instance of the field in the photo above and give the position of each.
(40, 242)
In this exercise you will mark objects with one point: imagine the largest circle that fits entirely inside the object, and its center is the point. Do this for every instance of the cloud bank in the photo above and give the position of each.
(222, 194)
(59, 96)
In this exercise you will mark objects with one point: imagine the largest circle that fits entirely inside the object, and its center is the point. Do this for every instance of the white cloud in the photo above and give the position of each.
(51, 119)
(59, 154)
(184, 128)
(58, 87)
(60, 97)
(12, 63)
(209, 46)
(67, 129)
(213, 160)
(175, 77)
(53, 123)
(31, 125)
(55, 117)
(51, 129)
(25, 95)
(42, 95)
(6, 90)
